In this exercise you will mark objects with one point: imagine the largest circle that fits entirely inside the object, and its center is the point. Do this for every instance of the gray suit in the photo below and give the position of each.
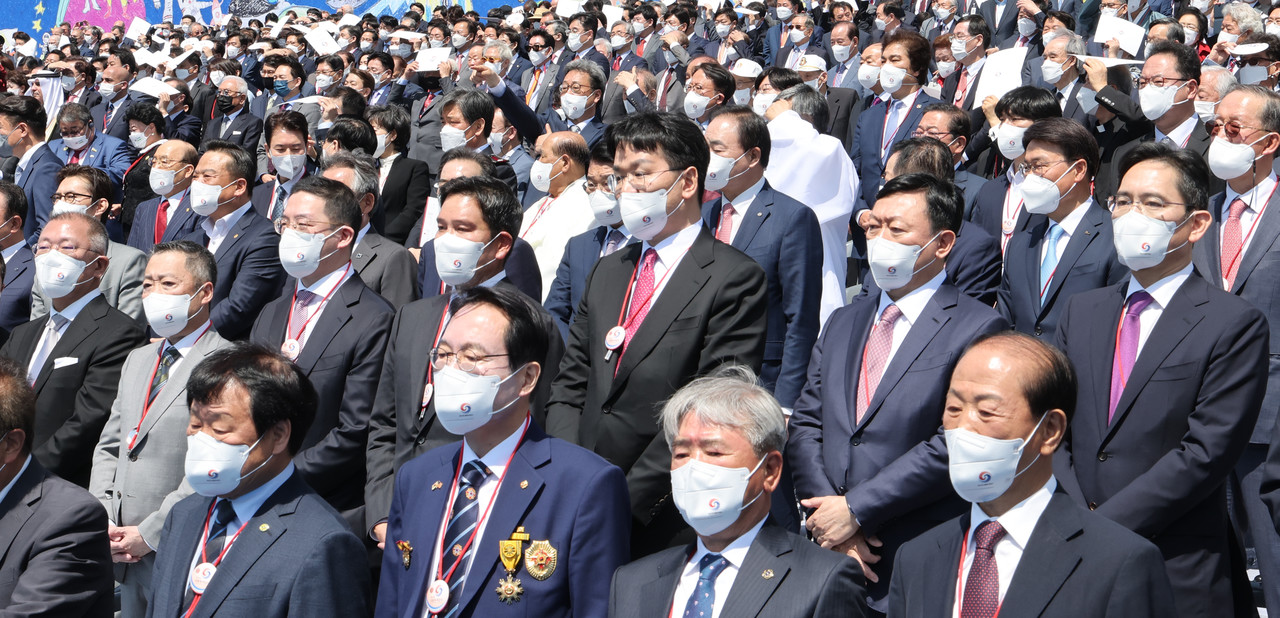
(550, 77)
(121, 286)
(387, 268)
(139, 486)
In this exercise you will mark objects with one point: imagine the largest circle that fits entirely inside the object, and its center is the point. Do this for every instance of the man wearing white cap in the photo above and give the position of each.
(744, 74)
(843, 103)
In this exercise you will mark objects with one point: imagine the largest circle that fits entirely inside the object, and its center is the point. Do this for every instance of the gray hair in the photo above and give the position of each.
(241, 85)
(558, 27)
(731, 398)
(808, 20)
(503, 50)
(1270, 113)
(631, 30)
(1218, 79)
(98, 240)
(593, 71)
(1076, 47)
(1247, 18)
(75, 112)
(362, 164)
(809, 104)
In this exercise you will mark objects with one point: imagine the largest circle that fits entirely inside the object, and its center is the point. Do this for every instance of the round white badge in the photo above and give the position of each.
(615, 337)
(201, 576)
(437, 595)
(291, 348)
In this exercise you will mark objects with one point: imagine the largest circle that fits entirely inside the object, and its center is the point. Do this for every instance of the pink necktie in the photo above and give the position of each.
(642, 297)
(962, 87)
(876, 355)
(1232, 242)
(1127, 347)
(724, 233)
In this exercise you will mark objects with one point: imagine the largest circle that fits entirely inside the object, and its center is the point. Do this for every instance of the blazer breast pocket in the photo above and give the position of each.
(1081, 269)
(930, 363)
(331, 361)
(685, 324)
(249, 598)
(1173, 373)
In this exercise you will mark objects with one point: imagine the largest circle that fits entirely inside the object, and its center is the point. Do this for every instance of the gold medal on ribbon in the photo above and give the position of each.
(509, 552)
(509, 590)
(540, 560)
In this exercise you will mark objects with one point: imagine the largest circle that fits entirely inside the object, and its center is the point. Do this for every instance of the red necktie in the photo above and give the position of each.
(982, 588)
(643, 296)
(962, 87)
(1232, 243)
(662, 94)
(879, 345)
(162, 218)
(617, 62)
(724, 233)
(426, 103)
(75, 158)
(640, 47)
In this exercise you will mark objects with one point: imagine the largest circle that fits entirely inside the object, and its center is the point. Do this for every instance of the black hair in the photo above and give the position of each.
(526, 335)
(667, 134)
(278, 390)
(1028, 102)
(341, 207)
(1193, 173)
(1052, 386)
(353, 134)
(944, 201)
(499, 207)
(1075, 141)
(753, 131)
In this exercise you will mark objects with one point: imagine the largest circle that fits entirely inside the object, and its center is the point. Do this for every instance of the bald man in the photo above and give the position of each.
(168, 217)
(560, 169)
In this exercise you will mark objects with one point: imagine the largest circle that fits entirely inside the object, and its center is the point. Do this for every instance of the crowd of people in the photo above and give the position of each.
(916, 308)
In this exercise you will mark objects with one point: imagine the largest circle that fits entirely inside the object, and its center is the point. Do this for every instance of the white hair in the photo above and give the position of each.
(730, 398)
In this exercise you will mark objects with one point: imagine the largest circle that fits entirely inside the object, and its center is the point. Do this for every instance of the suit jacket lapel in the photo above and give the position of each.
(866, 316)
(1207, 254)
(85, 324)
(1264, 237)
(1047, 562)
(178, 220)
(944, 571)
(234, 234)
(424, 341)
(16, 509)
(1085, 234)
(660, 592)
(750, 589)
(751, 223)
(366, 252)
(167, 396)
(930, 323)
(336, 313)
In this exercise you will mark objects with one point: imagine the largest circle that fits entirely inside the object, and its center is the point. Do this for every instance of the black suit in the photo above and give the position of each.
(712, 310)
(342, 357)
(1075, 564)
(54, 555)
(249, 273)
(1108, 180)
(245, 130)
(404, 196)
(845, 106)
(782, 576)
(15, 298)
(73, 398)
(1160, 466)
(400, 428)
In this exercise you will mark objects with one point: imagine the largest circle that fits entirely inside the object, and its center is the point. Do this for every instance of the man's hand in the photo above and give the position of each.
(736, 36)
(1029, 7)
(162, 102)
(625, 79)
(380, 533)
(410, 68)
(989, 109)
(329, 108)
(446, 68)
(1096, 72)
(866, 218)
(127, 544)
(1220, 52)
(776, 109)
(859, 547)
(832, 522)
(1113, 48)
(671, 38)
(483, 74)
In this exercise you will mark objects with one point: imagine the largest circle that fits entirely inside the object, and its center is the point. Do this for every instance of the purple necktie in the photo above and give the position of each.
(1126, 347)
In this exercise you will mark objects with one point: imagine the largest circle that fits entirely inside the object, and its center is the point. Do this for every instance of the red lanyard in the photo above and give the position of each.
(448, 514)
(204, 538)
(289, 324)
(435, 342)
(546, 205)
(146, 403)
(964, 549)
(626, 300)
(1245, 239)
(1009, 219)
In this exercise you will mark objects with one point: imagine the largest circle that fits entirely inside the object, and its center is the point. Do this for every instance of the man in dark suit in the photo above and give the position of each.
(1237, 254)
(1061, 58)
(257, 540)
(82, 144)
(73, 355)
(876, 381)
(243, 243)
(23, 119)
(404, 422)
(385, 267)
(801, 41)
(539, 81)
(743, 563)
(179, 121)
(285, 137)
(108, 116)
(581, 35)
(55, 558)
(19, 262)
(424, 112)
(1023, 546)
(334, 328)
(585, 90)
(950, 125)
(568, 502)
(961, 87)
(234, 122)
(1063, 246)
(710, 307)
(168, 216)
(624, 59)
(404, 182)
(1002, 19)
(1173, 391)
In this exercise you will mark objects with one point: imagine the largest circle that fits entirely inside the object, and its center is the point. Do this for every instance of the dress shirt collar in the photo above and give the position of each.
(4, 493)
(912, 304)
(735, 552)
(1181, 133)
(290, 182)
(226, 120)
(977, 66)
(675, 245)
(387, 159)
(361, 234)
(248, 505)
(185, 344)
(73, 310)
(221, 226)
(1255, 198)
(1018, 522)
(11, 251)
(325, 285)
(1163, 290)
(906, 103)
(496, 459)
(745, 199)
(26, 157)
(1072, 220)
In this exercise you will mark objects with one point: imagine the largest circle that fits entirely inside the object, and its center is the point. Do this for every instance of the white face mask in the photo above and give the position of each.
(540, 175)
(204, 198)
(605, 207)
(720, 171)
(63, 206)
(959, 49)
(300, 252)
(1040, 195)
(669, 56)
(1252, 74)
(797, 35)
(232, 51)
(162, 181)
(695, 105)
(324, 81)
(1206, 110)
(288, 166)
(167, 313)
(1051, 35)
(496, 143)
(574, 105)
(868, 76)
(213, 467)
(381, 148)
(137, 139)
(459, 41)
(762, 102)
(1227, 37)
(1026, 27)
(451, 138)
(575, 41)
(942, 14)
(784, 13)
(1110, 12)
(945, 69)
(742, 96)
(1201, 5)
(435, 44)
(841, 52)
(645, 213)
(58, 273)
(1156, 101)
(710, 497)
(1052, 71)
(983, 468)
(368, 45)
(182, 74)
(465, 402)
(1227, 160)
(722, 30)
(68, 82)
(1009, 139)
(880, 24)
(891, 77)
(457, 259)
(216, 77)
(893, 264)
(76, 143)
(1142, 242)
(107, 90)
(537, 57)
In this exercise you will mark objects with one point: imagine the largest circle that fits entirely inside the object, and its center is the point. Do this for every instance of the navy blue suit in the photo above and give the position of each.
(1088, 263)
(971, 184)
(119, 127)
(988, 206)
(530, 125)
(111, 155)
(867, 155)
(39, 181)
(249, 274)
(891, 467)
(580, 256)
(783, 237)
(1160, 466)
(560, 493)
(522, 270)
(184, 126)
(182, 222)
(15, 299)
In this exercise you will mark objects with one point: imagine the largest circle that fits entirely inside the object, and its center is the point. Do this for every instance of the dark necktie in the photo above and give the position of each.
(277, 205)
(466, 515)
(702, 602)
(171, 356)
(615, 240)
(982, 588)
(222, 516)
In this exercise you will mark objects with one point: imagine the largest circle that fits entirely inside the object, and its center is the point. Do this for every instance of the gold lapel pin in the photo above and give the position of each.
(768, 574)
(436, 485)
(264, 528)
(524, 484)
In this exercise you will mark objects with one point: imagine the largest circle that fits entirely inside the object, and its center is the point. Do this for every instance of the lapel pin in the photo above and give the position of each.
(436, 485)
(768, 574)
(524, 484)
(236, 236)
(264, 528)
(406, 553)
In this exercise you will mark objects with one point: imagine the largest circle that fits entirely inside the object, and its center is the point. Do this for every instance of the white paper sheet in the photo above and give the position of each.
(1001, 73)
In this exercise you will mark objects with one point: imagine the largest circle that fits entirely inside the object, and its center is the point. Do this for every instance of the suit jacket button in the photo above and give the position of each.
(855, 441)
(1102, 456)
(840, 490)
(606, 410)
(1093, 506)
(422, 440)
(133, 457)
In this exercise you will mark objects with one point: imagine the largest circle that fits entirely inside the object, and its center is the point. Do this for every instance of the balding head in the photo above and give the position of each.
(568, 157)
(178, 157)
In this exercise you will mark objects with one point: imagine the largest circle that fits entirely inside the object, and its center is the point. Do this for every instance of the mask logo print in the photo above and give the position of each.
(984, 476)
(466, 408)
(61, 276)
(1146, 246)
(647, 219)
(213, 474)
(168, 317)
(893, 270)
(714, 504)
(301, 256)
(457, 263)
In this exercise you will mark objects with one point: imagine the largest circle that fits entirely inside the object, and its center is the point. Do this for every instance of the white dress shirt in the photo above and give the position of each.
(735, 553)
(384, 168)
(1181, 133)
(323, 288)
(671, 251)
(1068, 224)
(1162, 292)
(1256, 199)
(12, 251)
(23, 161)
(911, 305)
(741, 205)
(1018, 522)
(217, 230)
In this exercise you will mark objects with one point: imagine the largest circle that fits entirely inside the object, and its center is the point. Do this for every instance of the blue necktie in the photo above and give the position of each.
(703, 601)
(466, 507)
(1050, 261)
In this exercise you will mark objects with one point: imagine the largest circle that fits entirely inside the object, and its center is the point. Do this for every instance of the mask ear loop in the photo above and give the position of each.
(1024, 444)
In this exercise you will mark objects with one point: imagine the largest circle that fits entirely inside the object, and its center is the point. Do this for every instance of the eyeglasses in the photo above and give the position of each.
(492, 58)
(71, 198)
(639, 181)
(465, 361)
(537, 47)
(609, 181)
(1038, 168)
(1159, 81)
(935, 134)
(576, 88)
(305, 226)
(1235, 128)
(1149, 206)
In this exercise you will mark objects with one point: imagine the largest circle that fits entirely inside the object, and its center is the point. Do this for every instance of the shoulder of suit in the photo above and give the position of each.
(636, 573)
(581, 463)
(63, 497)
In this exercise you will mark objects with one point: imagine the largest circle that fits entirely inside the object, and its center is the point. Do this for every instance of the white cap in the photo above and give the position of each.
(746, 68)
(811, 63)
